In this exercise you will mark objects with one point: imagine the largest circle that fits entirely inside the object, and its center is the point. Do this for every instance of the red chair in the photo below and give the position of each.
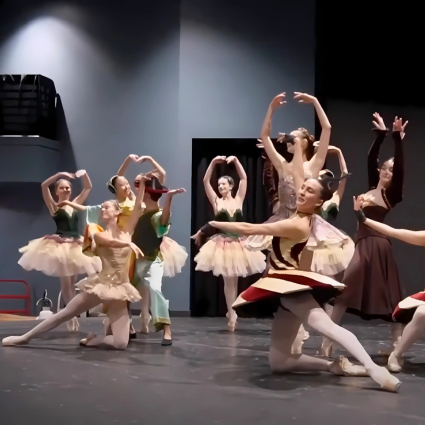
(27, 297)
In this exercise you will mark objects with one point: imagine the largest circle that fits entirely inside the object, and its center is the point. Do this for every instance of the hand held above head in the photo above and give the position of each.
(142, 159)
(399, 126)
(304, 97)
(133, 157)
(80, 173)
(378, 122)
(64, 174)
(279, 100)
(219, 159)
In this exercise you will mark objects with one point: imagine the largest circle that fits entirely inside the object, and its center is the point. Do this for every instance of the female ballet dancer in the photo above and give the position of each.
(60, 254)
(312, 162)
(225, 253)
(153, 225)
(373, 288)
(111, 285)
(296, 295)
(411, 310)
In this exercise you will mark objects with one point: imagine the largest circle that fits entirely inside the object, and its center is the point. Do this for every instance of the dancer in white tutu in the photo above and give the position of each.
(225, 253)
(61, 254)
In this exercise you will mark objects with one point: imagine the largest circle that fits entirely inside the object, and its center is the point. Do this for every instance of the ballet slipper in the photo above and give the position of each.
(12, 341)
(232, 325)
(395, 363)
(145, 324)
(343, 367)
(384, 378)
(87, 339)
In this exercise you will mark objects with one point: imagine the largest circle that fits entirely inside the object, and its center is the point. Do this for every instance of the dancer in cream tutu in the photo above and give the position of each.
(60, 254)
(225, 253)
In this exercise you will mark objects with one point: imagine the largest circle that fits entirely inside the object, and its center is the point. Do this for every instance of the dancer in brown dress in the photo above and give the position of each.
(411, 310)
(373, 287)
(296, 295)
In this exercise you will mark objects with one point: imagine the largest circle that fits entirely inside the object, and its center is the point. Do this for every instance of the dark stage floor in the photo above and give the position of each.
(207, 377)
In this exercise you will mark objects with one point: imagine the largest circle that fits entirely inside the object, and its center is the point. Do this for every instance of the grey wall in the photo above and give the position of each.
(351, 130)
(146, 78)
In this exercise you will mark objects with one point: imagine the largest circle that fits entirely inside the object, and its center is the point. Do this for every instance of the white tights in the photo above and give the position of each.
(412, 332)
(338, 312)
(231, 293)
(304, 309)
(117, 312)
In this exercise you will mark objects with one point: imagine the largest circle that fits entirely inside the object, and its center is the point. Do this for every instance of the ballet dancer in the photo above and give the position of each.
(296, 295)
(411, 310)
(225, 253)
(153, 225)
(372, 282)
(111, 285)
(60, 254)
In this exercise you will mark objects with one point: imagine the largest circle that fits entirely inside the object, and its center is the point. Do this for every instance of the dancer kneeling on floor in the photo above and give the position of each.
(110, 286)
(295, 296)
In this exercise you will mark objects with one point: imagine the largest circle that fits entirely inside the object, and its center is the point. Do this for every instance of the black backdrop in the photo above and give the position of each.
(207, 294)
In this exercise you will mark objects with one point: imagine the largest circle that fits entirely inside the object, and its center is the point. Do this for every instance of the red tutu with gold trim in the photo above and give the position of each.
(58, 256)
(282, 283)
(406, 308)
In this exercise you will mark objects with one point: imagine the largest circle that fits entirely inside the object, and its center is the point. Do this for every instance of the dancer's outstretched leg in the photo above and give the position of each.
(231, 293)
(305, 307)
(80, 303)
(68, 293)
(412, 332)
(120, 322)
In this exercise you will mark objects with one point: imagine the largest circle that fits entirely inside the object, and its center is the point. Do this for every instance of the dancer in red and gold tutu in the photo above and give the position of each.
(295, 296)
(61, 254)
(225, 253)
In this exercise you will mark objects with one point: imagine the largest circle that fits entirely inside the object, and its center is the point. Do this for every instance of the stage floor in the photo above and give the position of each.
(207, 377)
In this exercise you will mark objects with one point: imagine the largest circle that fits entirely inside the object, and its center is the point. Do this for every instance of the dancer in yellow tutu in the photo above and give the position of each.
(225, 253)
(61, 254)
(111, 285)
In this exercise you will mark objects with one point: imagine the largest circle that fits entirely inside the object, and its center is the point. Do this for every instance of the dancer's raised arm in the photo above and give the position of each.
(87, 187)
(409, 236)
(47, 196)
(277, 160)
(318, 160)
(166, 210)
(131, 158)
(160, 170)
(243, 179)
(210, 192)
(373, 155)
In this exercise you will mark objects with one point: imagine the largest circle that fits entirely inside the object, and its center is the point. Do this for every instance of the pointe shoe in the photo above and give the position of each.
(85, 340)
(232, 325)
(12, 341)
(145, 325)
(325, 351)
(343, 367)
(73, 325)
(384, 378)
(395, 363)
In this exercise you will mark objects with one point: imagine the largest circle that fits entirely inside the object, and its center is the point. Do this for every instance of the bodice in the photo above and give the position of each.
(115, 262)
(224, 215)
(376, 213)
(287, 193)
(127, 208)
(66, 224)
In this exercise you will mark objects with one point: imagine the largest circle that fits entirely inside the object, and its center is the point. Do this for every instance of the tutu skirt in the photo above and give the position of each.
(57, 256)
(109, 287)
(227, 256)
(406, 308)
(277, 284)
(174, 256)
